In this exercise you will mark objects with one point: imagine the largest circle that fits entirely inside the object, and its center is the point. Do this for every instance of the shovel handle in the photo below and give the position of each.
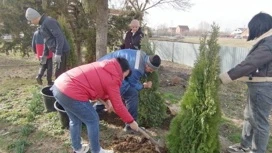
(148, 136)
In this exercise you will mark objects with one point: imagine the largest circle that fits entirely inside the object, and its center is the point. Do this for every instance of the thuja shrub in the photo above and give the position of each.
(195, 129)
(152, 109)
(72, 57)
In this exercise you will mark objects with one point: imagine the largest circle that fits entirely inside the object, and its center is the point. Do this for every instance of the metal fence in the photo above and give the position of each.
(186, 53)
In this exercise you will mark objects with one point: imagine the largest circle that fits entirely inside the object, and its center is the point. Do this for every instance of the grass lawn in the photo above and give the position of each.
(222, 41)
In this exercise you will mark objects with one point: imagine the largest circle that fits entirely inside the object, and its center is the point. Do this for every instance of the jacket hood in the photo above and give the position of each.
(113, 67)
(267, 34)
(42, 19)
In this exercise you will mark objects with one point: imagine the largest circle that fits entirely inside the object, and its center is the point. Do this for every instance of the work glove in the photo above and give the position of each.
(134, 125)
(43, 60)
(58, 58)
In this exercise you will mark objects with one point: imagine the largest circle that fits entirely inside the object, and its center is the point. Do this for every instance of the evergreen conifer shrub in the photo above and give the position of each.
(72, 57)
(195, 129)
(152, 109)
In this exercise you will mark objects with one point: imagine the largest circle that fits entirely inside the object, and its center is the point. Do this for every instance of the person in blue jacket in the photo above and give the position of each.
(140, 64)
(54, 39)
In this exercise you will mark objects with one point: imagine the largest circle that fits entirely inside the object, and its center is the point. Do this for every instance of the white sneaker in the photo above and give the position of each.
(85, 148)
(105, 151)
(237, 148)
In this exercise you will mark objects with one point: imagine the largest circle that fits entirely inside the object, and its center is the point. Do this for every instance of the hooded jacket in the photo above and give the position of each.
(133, 41)
(38, 45)
(53, 36)
(137, 61)
(98, 80)
(257, 66)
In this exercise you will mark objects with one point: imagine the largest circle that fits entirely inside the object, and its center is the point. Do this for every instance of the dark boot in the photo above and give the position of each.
(50, 83)
(39, 80)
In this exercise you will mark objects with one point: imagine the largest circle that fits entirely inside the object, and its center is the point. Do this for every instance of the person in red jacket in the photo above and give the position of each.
(95, 81)
(38, 47)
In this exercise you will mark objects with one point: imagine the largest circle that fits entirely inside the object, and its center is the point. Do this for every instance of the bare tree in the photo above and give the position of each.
(140, 6)
(162, 30)
(204, 26)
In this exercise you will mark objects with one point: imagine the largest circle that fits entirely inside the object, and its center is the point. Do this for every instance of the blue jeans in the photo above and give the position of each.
(131, 99)
(80, 112)
(255, 132)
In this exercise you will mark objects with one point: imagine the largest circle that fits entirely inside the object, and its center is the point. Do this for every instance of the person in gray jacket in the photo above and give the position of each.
(256, 71)
(54, 39)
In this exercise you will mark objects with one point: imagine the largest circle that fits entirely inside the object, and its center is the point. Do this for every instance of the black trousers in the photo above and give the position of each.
(48, 67)
(62, 66)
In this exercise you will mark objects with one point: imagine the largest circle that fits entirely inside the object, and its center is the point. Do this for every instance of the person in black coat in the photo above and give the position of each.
(133, 36)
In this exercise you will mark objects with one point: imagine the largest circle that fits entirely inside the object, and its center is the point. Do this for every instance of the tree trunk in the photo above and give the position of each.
(78, 51)
(101, 28)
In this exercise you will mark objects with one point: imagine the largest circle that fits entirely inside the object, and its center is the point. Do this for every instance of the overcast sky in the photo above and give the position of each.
(228, 14)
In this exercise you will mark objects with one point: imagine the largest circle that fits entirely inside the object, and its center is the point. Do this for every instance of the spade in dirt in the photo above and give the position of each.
(159, 145)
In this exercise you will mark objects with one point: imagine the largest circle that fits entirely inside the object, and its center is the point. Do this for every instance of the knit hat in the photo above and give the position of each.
(154, 61)
(32, 14)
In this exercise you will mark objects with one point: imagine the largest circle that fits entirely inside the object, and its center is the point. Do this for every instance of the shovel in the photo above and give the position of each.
(158, 145)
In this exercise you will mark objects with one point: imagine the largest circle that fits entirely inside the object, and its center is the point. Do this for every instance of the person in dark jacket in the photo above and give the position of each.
(256, 71)
(95, 81)
(133, 36)
(54, 39)
(38, 46)
(140, 64)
